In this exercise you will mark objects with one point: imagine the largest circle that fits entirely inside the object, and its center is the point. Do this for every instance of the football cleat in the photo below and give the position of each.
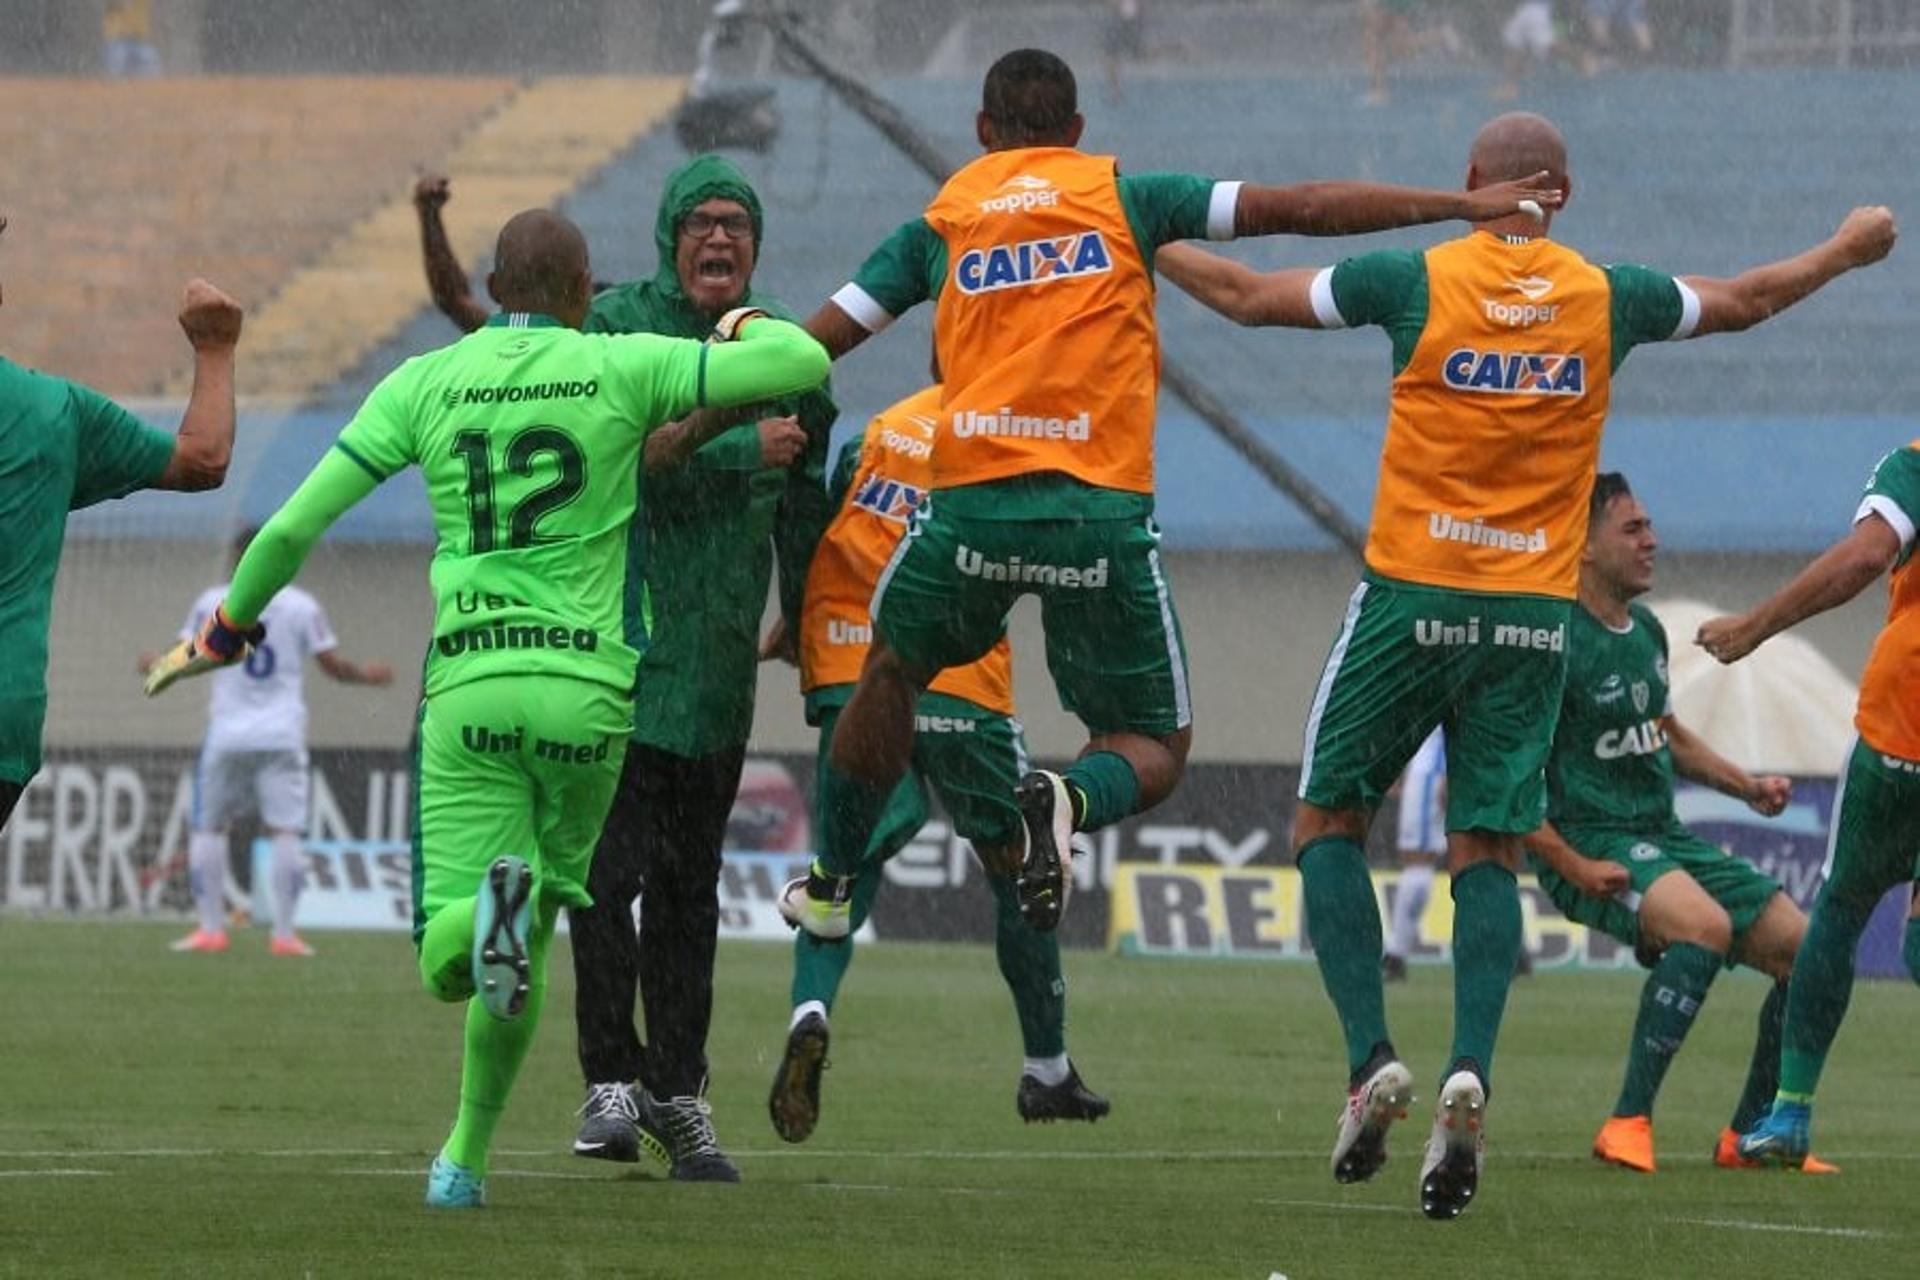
(819, 903)
(211, 942)
(1372, 1107)
(1626, 1141)
(1068, 1100)
(291, 945)
(450, 1186)
(502, 918)
(1046, 875)
(610, 1129)
(1393, 968)
(1450, 1174)
(1780, 1138)
(1726, 1154)
(678, 1132)
(794, 1103)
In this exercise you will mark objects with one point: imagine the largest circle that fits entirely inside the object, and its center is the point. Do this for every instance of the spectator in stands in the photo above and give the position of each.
(126, 33)
(1530, 40)
(1389, 36)
(713, 531)
(63, 447)
(1606, 20)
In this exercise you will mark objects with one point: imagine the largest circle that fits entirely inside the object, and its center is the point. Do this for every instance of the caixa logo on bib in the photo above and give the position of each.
(1015, 266)
(1516, 373)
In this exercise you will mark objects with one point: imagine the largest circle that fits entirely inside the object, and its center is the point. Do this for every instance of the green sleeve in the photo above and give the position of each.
(1646, 308)
(844, 468)
(276, 553)
(657, 380)
(1379, 288)
(905, 270)
(1893, 490)
(805, 510)
(1165, 207)
(116, 452)
(735, 450)
(380, 436)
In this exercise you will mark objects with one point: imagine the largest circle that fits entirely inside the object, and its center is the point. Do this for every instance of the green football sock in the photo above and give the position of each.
(494, 1052)
(819, 964)
(1104, 788)
(1821, 989)
(1030, 962)
(1486, 944)
(1910, 947)
(1763, 1075)
(1343, 922)
(1669, 1002)
(446, 953)
(849, 812)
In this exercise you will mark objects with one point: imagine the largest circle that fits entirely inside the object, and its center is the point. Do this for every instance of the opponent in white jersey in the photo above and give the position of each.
(254, 757)
(1422, 842)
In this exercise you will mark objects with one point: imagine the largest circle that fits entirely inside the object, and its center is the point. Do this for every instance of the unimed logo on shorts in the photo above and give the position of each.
(1014, 569)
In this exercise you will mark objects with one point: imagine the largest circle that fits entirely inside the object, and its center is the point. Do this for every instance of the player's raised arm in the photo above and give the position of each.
(1353, 208)
(1237, 291)
(1728, 306)
(754, 357)
(1841, 572)
(204, 444)
(446, 281)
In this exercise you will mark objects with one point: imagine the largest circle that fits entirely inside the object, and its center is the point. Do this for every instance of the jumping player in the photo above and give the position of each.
(1504, 347)
(967, 746)
(529, 436)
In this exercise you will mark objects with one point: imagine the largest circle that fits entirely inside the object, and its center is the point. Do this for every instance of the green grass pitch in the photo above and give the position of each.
(202, 1116)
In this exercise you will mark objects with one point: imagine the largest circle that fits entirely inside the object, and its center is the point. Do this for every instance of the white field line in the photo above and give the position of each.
(1734, 1224)
(54, 1173)
(1338, 1204)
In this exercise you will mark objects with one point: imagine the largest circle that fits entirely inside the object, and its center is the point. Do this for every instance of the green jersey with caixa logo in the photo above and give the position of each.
(1611, 766)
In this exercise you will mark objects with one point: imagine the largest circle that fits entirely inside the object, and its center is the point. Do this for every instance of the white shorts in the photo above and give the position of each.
(1530, 29)
(1423, 816)
(230, 784)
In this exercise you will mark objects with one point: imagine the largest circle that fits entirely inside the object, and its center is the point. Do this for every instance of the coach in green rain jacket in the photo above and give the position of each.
(712, 534)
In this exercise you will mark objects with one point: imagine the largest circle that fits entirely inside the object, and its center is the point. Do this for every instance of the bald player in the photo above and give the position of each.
(1504, 347)
(529, 436)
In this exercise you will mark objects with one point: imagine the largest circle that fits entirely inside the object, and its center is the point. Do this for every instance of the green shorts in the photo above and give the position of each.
(1742, 891)
(971, 757)
(1874, 840)
(1113, 639)
(522, 765)
(1488, 668)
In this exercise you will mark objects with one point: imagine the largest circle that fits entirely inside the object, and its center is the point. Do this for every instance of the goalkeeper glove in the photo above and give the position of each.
(219, 644)
(728, 326)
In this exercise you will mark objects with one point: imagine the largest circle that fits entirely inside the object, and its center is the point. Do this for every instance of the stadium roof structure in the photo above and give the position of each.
(1754, 442)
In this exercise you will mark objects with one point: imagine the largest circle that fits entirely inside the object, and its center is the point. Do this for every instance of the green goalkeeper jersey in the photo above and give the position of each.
(528, 435)
(1611, 766)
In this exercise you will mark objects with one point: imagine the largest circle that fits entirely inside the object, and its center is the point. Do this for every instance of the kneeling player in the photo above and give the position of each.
(966, 744)
(1613, 855)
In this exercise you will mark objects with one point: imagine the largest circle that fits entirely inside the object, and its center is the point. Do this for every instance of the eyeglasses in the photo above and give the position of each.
(736, 226)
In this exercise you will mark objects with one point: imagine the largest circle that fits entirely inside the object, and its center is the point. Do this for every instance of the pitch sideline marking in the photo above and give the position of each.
(1735, 1224)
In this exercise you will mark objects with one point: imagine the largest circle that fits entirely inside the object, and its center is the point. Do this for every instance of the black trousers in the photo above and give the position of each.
(662, 844)
(9, 797)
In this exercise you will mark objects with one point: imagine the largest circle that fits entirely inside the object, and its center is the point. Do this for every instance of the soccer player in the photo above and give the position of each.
(966, 745)
(254, 757)
(711, 536)
(1038, 258)
(1420, 841)
(63, 447)
(529, 437)
(1504, 346)
(1875, 835)
(1612, 853)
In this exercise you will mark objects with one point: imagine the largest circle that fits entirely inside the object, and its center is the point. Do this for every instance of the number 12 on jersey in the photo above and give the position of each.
(522, 457)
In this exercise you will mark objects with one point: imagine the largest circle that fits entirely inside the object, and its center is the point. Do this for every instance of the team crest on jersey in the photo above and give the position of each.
(1516, 373)
(889, 499)
(1641, 696)
(1032, 262)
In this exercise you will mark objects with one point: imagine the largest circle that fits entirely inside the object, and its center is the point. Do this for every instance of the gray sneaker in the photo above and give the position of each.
(679, 1131)
(610, 1129)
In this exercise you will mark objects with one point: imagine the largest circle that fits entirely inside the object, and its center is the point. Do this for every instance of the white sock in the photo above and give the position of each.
(207, 875)
(1416, 886)
(803, 1009)
(289, 876)
(1047, 1070)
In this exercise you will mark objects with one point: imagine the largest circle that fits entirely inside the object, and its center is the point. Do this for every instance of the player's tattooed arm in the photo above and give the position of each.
(1353, 208)
(445, 278)
(1840, 573)
(1695, 761)
(1728, 306)
(1594, 877)
(1237, 291)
